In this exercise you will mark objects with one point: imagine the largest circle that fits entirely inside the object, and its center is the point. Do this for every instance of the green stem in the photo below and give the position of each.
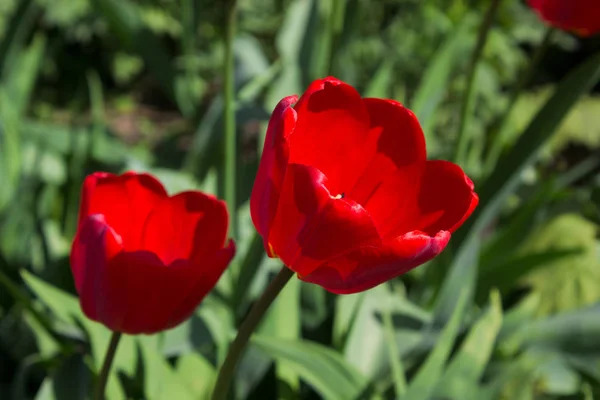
(245, 331)
(229, 116)
(484, 30)
(108, 360)
(524, 79)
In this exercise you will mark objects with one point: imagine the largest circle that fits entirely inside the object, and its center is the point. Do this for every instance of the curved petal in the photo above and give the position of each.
(124, 200)
(446, 198)
(95, 246)
(401, 140)
(152, 290)
(332, 122)
(369, 266)
(273, 162)
(189, 225)
(311, 226)
(212, 269)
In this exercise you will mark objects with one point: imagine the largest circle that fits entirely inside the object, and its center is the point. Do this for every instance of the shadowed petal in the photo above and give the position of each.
(273, 162)
(190, 225)
(311, 226)
(446, 198)
(369, 266)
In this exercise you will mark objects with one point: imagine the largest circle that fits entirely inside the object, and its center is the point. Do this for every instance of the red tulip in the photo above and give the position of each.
(344, 195)
(143, 261)
(580, 16)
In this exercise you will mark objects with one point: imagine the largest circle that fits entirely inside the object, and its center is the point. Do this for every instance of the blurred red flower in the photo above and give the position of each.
(344, 195)
(580, 16)
(143, 261)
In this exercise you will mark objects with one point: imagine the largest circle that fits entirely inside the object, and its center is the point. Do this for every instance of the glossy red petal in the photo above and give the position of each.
(401, 140)
(190, 225)
(95, 246)
(124, 200)
(312, 226)
(369, 266)
(273, 162)
(446, 198)
(332, 122)
(212, 269)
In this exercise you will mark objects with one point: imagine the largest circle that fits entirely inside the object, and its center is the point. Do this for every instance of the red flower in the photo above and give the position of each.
(344, 195)
(142, 260)
(580, 16)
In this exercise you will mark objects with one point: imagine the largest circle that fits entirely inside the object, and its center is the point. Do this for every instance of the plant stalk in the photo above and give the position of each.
(246, 329)
(108, 360)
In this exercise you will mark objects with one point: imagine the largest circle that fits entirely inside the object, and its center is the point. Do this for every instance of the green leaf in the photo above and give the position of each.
(16, 34)
(161, 382)
(126, 21)
(381, 84)
(320, 367)
(574, 332)
(66, 308)
(466, 368)
(507, 174)
(197, 373)
(570, 281)
(282, 321)
(436, 78)
(422, 385)
(290, 41)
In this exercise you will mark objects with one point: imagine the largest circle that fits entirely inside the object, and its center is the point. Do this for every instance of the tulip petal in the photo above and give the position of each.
(271, 171)
(446, 198)
(95, 246)
(189, 225)
(312, 226)
(124, 200)
(369, 266)
(580, 16)
(212, 269)
(332, 122)
(152, 289)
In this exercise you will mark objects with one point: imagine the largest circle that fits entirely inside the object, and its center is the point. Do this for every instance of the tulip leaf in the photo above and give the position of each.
(436, 78)
(462, 375)
(320, 367)
(282, 321)
(421, 386)
(573, 332)
(506, 177)
(197, 373)
(70, 381)
(66, 308)
(570, 281)
(161, 382)
(126, 21)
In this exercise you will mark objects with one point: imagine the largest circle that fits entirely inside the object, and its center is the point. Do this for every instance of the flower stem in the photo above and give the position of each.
(108, 360)
(245, 331)
(229, 115)
(484, 30)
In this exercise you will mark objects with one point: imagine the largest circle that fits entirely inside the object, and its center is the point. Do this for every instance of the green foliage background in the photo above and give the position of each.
(509, 311)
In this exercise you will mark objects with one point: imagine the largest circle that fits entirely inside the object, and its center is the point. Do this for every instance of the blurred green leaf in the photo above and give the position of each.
(434, 84)
(126, 21)
(320, 367)
(461, 378)
(197, 373)
(507, 175)
(161, 382)
(572, 280)
(422, 386)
